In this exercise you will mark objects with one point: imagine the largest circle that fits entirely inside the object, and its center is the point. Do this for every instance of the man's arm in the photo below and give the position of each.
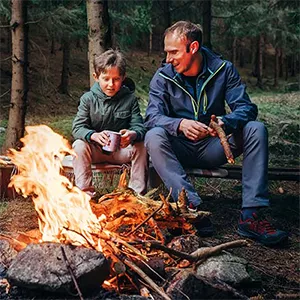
(242, 109)
(158, 110)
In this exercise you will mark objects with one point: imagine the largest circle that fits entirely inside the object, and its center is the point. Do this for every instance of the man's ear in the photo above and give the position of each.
(194, 47)
(95, 76)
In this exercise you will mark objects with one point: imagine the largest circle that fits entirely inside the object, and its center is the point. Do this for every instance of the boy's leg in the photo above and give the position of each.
(86, 155)
(137, 155)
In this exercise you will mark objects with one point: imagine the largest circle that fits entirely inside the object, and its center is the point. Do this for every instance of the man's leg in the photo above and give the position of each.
(162, 149)
(252, 141)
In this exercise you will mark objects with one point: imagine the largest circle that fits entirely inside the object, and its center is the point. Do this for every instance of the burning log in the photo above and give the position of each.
(223, 139)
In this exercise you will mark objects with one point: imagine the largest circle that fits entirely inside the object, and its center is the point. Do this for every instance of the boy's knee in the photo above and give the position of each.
(80, 147)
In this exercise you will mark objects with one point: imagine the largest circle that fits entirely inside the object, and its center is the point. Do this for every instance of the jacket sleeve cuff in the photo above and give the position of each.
(88, 136)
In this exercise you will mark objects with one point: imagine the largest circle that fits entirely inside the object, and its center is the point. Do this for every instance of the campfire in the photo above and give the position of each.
(130, 230)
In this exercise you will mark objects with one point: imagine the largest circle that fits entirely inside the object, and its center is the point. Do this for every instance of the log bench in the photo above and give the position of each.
(109, 171)
(230, 172)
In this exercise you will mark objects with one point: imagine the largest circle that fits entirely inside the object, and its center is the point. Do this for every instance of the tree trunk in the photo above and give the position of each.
(276, 66)
(234, 46)
(98, 30)
(260, 53)
(242, 58)
(19, 85)
(281, 63)
(64, 82)
(293, 65)
(206, 13)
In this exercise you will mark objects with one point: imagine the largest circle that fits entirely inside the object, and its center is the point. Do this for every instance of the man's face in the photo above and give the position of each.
(110, 81)
(175, 48)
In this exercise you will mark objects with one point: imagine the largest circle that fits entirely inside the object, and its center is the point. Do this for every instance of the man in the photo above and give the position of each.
(192, 85)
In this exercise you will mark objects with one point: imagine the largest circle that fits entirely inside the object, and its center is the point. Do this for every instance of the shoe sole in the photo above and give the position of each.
(270, 243)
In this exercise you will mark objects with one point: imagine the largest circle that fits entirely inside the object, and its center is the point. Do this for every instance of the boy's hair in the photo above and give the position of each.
(192, 32)
(108, 59)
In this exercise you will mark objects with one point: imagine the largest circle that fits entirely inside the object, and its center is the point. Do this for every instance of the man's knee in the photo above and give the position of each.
(257, 129)
(155, 137)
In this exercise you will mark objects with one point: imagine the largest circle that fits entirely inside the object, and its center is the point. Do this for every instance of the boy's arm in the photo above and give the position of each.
(81, 128)
(136, 122)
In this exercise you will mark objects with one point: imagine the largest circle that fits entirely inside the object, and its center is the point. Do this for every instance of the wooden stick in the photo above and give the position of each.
(143, 275)
(146, 220)
(223, 139)
(200, 253)
(71, 272)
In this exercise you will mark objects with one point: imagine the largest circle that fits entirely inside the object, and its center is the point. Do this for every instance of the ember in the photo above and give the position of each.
(127, 228)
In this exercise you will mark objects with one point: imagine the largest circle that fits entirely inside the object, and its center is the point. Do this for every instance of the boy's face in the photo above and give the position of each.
(110, 81)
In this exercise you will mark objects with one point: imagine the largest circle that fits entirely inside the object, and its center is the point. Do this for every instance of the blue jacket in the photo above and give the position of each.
(170, 101)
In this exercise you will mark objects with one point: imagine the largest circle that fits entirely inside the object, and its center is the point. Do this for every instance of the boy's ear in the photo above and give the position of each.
(95, 76)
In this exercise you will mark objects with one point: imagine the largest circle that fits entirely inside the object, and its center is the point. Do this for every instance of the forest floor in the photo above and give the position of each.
(277, 269)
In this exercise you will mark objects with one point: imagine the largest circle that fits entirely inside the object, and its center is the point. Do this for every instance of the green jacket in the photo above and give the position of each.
(98, 112)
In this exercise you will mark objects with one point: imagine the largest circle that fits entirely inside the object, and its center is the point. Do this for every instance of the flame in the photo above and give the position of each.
(64, 211)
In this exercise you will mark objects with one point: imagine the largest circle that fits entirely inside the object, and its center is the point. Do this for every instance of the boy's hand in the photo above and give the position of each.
(127, 137)
(100, 137)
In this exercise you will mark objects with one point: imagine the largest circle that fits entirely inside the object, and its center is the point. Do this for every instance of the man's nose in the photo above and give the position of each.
(169, 58)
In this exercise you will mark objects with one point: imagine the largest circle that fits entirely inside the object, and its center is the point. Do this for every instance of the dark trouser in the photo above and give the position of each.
(170, 154)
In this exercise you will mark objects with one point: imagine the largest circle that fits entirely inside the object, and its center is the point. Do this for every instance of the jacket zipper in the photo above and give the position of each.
(195, 104)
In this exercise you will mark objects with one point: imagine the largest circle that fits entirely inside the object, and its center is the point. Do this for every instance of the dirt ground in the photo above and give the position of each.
(275, 270)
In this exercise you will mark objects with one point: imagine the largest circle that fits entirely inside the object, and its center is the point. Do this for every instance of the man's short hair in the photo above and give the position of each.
(192, 32)
(108, 59)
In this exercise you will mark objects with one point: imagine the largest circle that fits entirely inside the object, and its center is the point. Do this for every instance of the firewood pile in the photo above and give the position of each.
(130, 230)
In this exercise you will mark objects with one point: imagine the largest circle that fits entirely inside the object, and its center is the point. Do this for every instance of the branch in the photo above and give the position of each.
(71, 272)
(143, 275)
(223, 139)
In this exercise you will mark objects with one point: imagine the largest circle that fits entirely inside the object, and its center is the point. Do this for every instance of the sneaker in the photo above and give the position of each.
(261, 231)
(192, 209)
(91, 194)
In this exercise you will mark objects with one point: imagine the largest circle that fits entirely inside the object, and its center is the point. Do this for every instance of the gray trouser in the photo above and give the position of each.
(88, 153)
(170, 154)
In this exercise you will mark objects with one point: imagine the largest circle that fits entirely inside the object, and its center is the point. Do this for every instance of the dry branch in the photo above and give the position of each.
(223, 139)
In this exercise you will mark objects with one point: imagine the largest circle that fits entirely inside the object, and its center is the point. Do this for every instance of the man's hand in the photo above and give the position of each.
(195, 130)
(101, 138)
(127, 137)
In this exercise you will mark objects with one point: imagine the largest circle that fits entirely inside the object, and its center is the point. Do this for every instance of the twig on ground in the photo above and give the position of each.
(71, 272)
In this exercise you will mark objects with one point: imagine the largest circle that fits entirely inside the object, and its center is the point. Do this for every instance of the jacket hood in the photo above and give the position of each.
(128, 87)
(214, 61)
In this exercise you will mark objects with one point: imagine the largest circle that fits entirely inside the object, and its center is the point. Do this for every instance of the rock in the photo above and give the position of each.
(186, 243)
(187, 283)
(42, 266)
(226, 267)
(7, 254)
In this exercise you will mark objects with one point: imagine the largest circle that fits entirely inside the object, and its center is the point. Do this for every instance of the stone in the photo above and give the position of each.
(187, 284)
(42, 266)
(226, 267)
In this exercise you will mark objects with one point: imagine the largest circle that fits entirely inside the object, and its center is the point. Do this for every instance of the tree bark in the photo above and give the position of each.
(260, 52)
(64, 82)
(281, 63)
(206, 13)
(276, 67)
(234, 46)
(19, 86)
(98, 23)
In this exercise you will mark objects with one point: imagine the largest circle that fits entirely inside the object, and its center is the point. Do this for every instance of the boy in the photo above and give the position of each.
(110, 105)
